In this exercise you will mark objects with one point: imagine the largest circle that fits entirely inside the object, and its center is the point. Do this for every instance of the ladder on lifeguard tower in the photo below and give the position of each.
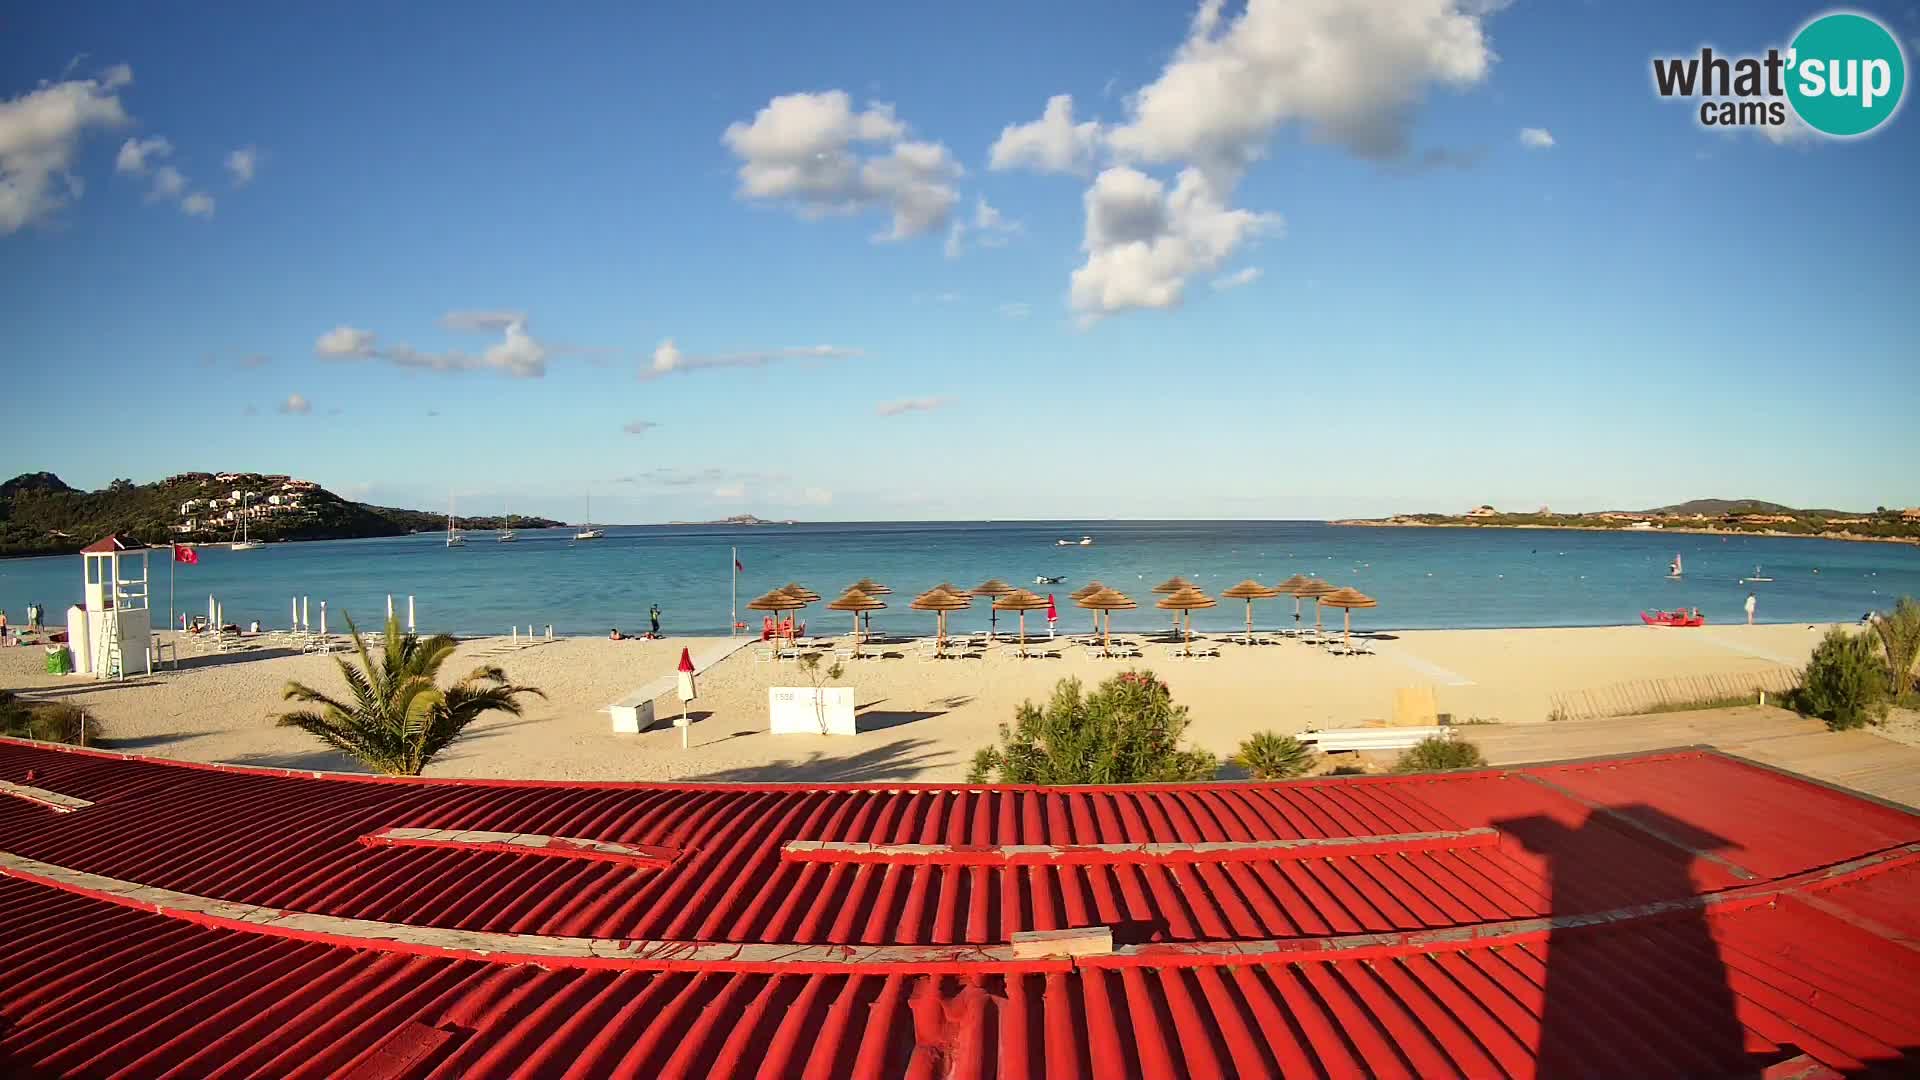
(114, 666)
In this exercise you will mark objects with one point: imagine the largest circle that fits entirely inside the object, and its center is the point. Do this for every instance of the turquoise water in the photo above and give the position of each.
(1423, 578)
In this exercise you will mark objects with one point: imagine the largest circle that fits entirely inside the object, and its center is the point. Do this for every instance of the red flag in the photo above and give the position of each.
(184, 554)
(737, 568)
(686, 661)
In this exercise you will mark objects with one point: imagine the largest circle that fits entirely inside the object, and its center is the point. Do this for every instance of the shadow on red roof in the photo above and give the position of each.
(1681, 913)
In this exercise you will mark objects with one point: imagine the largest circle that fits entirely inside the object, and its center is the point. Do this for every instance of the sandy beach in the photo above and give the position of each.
(921, 720)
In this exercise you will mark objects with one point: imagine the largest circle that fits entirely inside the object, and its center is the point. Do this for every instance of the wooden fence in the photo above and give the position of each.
(1628, 698)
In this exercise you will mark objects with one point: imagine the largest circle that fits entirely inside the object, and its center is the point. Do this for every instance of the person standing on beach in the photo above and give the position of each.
(1752, 602)
(653, 613)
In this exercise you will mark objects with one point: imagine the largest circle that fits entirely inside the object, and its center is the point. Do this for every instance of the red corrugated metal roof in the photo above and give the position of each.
(1680, 913)
(113, 542)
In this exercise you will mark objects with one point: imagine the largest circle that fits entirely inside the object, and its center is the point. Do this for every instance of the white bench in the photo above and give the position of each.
(1391, 738)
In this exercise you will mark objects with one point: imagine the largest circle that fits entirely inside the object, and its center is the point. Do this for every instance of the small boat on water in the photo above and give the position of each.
(588, 532)
(1681, 617)
(1674, 568)
(507, 534)
(455, 538)
(1044, 580)
(242, 541)
(1085, 541)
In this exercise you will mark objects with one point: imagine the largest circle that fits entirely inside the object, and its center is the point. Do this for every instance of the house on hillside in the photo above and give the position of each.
(1484, 510)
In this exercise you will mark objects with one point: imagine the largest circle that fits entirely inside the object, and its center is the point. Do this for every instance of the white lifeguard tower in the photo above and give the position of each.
(115, 624)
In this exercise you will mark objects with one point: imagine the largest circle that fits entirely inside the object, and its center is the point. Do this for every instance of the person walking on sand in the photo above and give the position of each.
(1752, 602)
(653, 613)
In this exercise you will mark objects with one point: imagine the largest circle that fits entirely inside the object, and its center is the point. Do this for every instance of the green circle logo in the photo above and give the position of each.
(1845, 74)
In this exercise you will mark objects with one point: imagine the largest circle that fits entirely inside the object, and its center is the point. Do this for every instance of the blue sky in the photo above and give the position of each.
(466, 249)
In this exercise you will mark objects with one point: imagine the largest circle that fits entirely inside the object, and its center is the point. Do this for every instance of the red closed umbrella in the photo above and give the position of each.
(686, 661)
(1053, 613)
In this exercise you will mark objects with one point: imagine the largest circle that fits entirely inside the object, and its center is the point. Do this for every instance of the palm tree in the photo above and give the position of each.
(399, 718)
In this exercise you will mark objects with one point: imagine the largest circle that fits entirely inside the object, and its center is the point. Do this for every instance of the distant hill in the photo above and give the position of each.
(42, 515)
(1719, 507)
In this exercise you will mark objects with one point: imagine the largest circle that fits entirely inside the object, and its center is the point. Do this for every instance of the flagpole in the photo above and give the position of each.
(173, 561)
(733, 625)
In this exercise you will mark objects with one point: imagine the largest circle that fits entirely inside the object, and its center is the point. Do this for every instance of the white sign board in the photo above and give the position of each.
(803, 710)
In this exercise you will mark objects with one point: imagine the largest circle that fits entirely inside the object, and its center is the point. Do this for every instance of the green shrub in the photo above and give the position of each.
(1127, 731)
(1845, 681)
(1272, 756)
(44, 722)
(1899, 636)
(1437, 753)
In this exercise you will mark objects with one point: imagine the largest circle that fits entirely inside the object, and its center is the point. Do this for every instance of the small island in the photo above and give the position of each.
(1750, 516)
(737, 519)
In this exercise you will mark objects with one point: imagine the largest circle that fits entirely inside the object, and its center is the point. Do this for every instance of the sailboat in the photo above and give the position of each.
(588, 532)
(241, 541)
(507, 535)
(455, 538)
(1674, 569)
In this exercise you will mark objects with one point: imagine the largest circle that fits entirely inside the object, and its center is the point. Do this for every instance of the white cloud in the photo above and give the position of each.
(345, 342)
(911, 405)
(1016, 309)
(1143, 242)
(518, 353)
(1051, 144)
(295, 405)
(168, 183)
(669, 360)
(40, 131)
(989, 228)
(1536, 138)
(1351, 72)
(807, 151)
(198, 204)
(136, 154)
(1236, 279)
(241, 165)
(638, 427)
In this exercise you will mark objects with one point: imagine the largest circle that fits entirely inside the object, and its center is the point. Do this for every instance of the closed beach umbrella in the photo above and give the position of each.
(993, 588)
(1250, 590)
(1082, 593)
(1109, 601)
(1186, 601)
(1022, 601)
(1313, 590)
(1349, 599)
(856, 601)
(939, 601)
(1288, 587)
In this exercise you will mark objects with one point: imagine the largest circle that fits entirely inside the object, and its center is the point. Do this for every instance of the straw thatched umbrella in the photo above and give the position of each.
(1291, 587)
(1186, 601)
(1109, 601)
(1022, 601)
(1313, 590)
(776, 601)
(871, 588)
(1250, 590)
(856, 601)
(940, 601)
(1349, 599)
(1082, 593)
(1170, 586)
(993, 588)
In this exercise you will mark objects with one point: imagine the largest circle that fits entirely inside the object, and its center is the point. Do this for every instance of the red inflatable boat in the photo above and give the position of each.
(1673, 618)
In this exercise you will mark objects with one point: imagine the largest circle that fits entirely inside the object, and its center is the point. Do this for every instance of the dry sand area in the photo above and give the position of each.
(921, 720)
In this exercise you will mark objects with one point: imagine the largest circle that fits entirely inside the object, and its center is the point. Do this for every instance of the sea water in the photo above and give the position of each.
(1422, 577)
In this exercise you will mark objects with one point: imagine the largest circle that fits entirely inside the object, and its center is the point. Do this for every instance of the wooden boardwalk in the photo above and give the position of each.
(1859, 760)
